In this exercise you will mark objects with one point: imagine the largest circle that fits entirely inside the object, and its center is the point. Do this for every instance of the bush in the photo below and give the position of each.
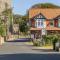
(55, 38)
(50, 39)
(47, 39)
(36, 42)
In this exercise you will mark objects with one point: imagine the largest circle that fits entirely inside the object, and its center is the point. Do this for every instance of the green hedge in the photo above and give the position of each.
(47, 40)
(50, 39)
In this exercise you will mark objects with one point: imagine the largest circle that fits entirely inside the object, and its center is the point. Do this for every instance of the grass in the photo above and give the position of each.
(47, 46)
(29, 43)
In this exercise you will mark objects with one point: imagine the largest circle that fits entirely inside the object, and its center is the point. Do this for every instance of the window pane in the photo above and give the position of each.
(41, 23)
(38, 23)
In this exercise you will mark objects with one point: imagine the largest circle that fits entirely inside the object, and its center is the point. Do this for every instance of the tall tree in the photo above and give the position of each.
(2, 29)
(23, 24)
(7, 13)
(17, 18)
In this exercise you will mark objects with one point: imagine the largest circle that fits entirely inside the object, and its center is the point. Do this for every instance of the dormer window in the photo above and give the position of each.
(39, 21)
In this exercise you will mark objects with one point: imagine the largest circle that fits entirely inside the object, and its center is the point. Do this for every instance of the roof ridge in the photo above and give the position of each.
(44, 8)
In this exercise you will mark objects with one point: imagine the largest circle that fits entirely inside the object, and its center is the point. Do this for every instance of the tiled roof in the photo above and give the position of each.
(49, 13)
(35, 28)
(47, 28)
(52, 28)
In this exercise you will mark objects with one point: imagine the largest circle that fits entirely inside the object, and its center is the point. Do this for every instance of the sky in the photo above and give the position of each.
(21, 6)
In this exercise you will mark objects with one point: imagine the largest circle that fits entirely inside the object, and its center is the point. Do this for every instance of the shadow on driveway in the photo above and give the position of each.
(21, 40)
(30, 57)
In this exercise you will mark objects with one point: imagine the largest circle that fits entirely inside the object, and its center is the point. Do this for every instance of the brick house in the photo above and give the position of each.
(46, 18)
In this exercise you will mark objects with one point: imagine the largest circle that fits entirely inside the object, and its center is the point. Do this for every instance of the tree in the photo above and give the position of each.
(45, 5)
(23, 26)
(2, 30)
(17, 18)
(22, 21)
(7, 13)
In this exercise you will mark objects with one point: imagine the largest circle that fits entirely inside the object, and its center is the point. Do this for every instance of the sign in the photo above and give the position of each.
(43, 31)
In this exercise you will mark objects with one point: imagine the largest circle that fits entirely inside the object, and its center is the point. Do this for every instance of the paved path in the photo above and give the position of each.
(15, 47)
(21, 47)
(21, 51)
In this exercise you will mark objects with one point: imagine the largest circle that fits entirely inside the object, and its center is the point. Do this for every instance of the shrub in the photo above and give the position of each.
(50, 39)
(47, 39)
(55, 38)
(36, 42)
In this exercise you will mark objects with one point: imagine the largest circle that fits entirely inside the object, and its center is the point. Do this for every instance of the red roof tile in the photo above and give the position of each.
(49, 13)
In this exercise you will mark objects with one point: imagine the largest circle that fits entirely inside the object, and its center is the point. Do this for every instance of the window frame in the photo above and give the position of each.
(41, 21)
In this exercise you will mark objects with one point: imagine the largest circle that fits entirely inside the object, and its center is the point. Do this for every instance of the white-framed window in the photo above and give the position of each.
(39, 21)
